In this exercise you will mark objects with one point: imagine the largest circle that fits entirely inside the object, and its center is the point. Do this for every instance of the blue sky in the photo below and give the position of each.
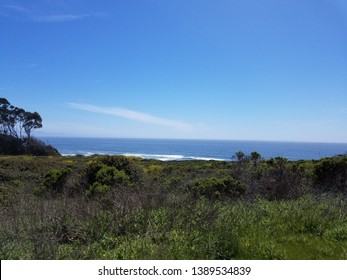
(198, 69)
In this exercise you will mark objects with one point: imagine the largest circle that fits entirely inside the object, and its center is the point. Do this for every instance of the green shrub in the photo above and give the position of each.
(278, 179)
(97, 189)
(217, 187)
(106, 172)
(54, 181)
(330, 174)
(109, 175)
(103, 177)
(129, 165)
(92, 169)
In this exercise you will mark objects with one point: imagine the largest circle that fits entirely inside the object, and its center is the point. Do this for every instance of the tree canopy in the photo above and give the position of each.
(16, 126)
(16, 121)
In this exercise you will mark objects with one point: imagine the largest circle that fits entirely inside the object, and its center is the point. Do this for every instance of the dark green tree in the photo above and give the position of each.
(16, 126)
(255, 157)
(31, 121)
(240, 156)
(14, 120)
(4, 115)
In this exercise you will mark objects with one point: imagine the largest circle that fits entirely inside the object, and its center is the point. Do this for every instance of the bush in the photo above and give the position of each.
(278, 179)
(105, 178)
(109, 175)
(54, 181)
(330, 174)
(129, 165)
(10, 145)
(38, 148)
(104, 173)
(217, 187)
(97, 189)
(114, 170)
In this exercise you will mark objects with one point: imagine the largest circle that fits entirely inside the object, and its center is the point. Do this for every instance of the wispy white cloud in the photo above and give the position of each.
(15, 8)
(43, 15)
(60, 17)
(13, 11)
(131, 115)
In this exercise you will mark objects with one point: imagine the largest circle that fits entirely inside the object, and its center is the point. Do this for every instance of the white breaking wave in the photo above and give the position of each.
(206, 158)
(149, 156)
(169, 157)
(87, 154)
(157, 157)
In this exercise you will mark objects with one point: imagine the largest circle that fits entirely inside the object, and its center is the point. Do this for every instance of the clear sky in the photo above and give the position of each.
(200, 69)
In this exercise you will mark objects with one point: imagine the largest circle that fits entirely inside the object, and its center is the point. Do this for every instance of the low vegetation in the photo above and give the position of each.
(114, 207)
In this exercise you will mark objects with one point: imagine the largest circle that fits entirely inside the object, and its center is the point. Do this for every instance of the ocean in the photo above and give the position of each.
(165, 149)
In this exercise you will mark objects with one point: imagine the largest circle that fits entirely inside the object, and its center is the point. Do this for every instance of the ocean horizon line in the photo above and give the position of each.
(192, 139)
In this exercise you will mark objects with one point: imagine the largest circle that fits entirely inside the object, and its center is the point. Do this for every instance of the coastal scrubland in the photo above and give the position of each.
(115, 207)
